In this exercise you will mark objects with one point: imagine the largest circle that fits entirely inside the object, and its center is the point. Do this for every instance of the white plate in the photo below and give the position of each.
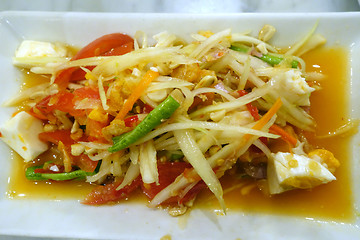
(71, 219)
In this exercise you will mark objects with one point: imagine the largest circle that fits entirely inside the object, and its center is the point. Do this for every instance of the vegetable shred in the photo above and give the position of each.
(170, 118)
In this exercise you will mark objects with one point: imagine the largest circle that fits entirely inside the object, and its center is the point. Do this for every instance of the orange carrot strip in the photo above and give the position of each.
(135, 95)
(287, 137)
(266, 118)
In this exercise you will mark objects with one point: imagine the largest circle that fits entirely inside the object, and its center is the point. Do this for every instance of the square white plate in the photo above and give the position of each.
(71, 219)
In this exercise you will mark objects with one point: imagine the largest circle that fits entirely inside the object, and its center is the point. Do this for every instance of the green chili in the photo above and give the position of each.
(163, 111)
(271, 59)
(77, 174)
(31, 175)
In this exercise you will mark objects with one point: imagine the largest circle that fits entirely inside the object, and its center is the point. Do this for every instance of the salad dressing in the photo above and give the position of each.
(330, 201)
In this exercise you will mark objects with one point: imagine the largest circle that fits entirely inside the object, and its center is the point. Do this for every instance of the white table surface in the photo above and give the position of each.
(182, 6)
(176, 6)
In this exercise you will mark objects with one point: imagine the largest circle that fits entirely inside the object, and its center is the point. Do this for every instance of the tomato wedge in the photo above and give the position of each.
(108, 193)
(79, 74)
(131, 121)
(62, 101)
(121, 50)
(193, 192)
(168, 172)
(108, 45)
(85, 163)
(65, 102)
(94, 130)
(104, 44)
(57, 136)
(86, 92)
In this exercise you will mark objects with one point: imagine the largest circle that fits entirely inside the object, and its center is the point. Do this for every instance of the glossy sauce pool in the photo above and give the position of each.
(332, 201)
(329, 107)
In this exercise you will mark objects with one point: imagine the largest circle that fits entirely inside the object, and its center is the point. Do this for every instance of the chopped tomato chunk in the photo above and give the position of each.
(193, 192)
(62, 101)
(94, 130)
(105, 44)
(108, 193)
(131, 121)
(168, 172)
(57, 136)
(110, 44)
(86, 92)
(85, 163)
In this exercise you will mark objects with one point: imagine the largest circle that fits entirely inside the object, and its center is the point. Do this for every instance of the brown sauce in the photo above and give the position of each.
(332, 201)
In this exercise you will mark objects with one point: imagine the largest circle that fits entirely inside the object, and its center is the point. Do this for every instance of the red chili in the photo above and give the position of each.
(251, 108)
(131, 121)
(254, 112)
(48, 170)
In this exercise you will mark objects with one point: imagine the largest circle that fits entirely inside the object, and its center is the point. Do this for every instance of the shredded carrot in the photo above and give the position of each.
(135, 95)
(266, 118)
(287, 137)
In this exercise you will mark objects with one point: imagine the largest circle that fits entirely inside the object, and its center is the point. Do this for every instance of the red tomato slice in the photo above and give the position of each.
(79, 74)
(123, 49)
(63, 78)
(85, 163)
(131, 121)
(62, 101)
(86, 92)
(147, 108)
(65, 101)
(104, 44)
(192, 193)
(168, 172)
(38, 115)
(108, 193)
(110, 44)
(57, 136)
(94, 130)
